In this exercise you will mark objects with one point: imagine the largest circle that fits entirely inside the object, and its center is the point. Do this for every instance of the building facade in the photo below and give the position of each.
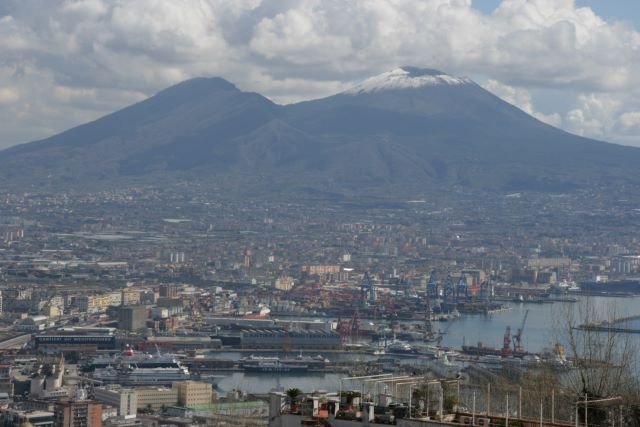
(125, 400)
(156, 398)
(192, 393)
(98, 303)
(80, 413)
(132, 318)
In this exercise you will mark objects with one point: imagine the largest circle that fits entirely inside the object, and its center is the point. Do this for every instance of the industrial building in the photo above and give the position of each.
(74, 342)
(176, 343)
(296, 340)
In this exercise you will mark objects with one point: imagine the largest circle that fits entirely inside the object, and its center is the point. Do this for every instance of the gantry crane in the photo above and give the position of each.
(517, 337)
(462, 288)
(449, 291)
(486, 290)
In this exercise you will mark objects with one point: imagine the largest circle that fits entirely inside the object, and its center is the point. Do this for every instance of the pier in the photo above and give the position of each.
(606, 326)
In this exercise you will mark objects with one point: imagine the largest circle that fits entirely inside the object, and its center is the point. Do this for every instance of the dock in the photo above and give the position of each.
(606, 326)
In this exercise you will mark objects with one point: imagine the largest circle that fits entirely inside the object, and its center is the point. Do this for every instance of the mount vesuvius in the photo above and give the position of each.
(406, 130)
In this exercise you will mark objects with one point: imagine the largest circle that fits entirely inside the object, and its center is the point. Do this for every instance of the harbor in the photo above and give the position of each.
(535, 334)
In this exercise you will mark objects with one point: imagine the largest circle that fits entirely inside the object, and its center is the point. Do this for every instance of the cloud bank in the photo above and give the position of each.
(66, 62)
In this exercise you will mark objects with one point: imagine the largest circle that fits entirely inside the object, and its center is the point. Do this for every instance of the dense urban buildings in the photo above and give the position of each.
(102, 320)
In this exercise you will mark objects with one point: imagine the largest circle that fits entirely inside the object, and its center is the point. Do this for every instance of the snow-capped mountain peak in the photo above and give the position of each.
(407, 78)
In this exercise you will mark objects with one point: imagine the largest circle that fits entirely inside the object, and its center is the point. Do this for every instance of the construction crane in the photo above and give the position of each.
(517, 337)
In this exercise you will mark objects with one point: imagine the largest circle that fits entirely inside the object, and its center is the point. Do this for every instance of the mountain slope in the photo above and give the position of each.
(410, 128)
(460, 133)
(173, 130)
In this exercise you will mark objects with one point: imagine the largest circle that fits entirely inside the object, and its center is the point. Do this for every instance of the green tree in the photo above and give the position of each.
(293, 394)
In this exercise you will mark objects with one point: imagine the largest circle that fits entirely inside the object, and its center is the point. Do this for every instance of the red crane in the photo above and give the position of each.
(517, 338)
(506, 342)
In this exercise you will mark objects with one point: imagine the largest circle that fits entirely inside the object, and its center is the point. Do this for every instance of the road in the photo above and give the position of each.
(15, 342)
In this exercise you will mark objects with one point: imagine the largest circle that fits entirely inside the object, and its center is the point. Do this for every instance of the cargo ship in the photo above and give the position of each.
(517, 351)
(481, 350)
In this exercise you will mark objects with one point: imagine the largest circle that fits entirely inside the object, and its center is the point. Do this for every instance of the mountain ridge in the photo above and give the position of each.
(410, 128)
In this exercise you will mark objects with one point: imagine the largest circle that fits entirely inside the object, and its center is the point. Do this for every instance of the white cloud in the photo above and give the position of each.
(297, 35)
(83, 9)
(630, 122)
(594, 116)
(522, 99)
(605, 116)
(72, 60)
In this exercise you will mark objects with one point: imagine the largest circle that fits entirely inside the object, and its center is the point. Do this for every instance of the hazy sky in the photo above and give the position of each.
(571, 63)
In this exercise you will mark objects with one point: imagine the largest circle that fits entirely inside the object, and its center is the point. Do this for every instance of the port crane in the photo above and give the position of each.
(462, 288)
(367, 293)
(486, 290)
(432, 285)
(349, 328)
(506, 342)
(517, 337)
(449, 291)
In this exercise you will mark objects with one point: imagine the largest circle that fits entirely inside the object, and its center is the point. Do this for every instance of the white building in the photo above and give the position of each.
(125, 400)
(284, 283)
(33, 324)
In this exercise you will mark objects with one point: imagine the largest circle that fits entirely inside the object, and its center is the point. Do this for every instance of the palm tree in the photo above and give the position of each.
(292, 396)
